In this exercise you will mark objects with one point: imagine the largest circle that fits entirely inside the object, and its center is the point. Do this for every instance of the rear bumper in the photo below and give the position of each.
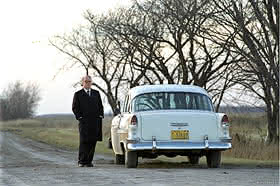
(154, 146)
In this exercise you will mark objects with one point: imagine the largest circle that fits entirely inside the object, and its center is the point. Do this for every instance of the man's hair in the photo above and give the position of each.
(84, 77)
(87, 76)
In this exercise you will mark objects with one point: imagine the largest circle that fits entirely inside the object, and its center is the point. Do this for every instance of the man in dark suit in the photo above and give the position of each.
(88, 109)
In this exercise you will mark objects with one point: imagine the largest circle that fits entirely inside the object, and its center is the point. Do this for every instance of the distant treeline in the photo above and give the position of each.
(56, 115)
(63, 116)
(242, 109)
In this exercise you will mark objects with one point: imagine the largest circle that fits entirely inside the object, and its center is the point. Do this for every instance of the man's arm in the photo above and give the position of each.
(101, 109)
(76, 107)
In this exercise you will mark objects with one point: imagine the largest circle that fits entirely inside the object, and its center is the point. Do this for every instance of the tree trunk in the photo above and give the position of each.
(113, 103)
(272, 132)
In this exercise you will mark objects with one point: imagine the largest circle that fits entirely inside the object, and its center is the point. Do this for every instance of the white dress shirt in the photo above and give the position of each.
(87, 91)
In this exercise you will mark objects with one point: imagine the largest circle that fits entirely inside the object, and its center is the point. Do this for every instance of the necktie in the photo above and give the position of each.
(88, 93)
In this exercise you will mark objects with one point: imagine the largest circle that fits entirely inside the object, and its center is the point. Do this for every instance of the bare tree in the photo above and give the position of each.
(140, 51)
(164, 41)
(138, 64)
(257, 40)
(92, 49)
(174, 39)
(19, 101)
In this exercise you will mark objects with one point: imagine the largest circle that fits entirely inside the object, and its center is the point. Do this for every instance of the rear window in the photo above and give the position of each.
(171, 100)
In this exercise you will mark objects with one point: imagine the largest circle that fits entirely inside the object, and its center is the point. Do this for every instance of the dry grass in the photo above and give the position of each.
(248, 133)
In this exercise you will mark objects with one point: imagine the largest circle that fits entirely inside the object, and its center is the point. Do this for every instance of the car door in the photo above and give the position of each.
(124, 119)
(117, 133)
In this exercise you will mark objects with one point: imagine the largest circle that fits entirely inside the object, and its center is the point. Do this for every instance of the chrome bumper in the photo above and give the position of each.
(156, 145)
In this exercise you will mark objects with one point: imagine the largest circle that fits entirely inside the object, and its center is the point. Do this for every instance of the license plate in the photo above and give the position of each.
(179, 134)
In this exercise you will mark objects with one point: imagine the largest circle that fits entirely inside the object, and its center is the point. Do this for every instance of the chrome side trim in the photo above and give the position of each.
(179, 146)
(226, 140)
(179, 124)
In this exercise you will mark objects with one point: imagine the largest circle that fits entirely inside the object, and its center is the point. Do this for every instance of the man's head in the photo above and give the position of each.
(86, 82)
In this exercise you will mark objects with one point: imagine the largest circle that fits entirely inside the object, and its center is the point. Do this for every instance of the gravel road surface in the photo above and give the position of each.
(26, 162)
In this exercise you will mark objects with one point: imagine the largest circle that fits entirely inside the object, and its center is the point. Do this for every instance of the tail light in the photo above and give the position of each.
(133, 120)
(225, 126)
(225, 119)
(132, 128)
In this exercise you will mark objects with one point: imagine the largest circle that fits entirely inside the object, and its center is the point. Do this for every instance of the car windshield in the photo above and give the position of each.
(171, 100)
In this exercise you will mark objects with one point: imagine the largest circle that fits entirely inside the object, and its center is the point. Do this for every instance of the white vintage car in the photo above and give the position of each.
(169, 120)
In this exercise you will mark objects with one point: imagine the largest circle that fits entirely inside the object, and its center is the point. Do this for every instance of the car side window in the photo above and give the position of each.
(125, 104)
(126, 107)
(128, 104)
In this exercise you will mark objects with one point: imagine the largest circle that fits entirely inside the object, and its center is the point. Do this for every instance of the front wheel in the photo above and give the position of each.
(131, 159)
(213, 159)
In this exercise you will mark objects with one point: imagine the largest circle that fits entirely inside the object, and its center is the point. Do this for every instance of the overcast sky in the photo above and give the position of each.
(26, 54)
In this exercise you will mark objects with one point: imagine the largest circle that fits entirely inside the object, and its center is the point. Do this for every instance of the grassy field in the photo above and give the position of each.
(248, 132)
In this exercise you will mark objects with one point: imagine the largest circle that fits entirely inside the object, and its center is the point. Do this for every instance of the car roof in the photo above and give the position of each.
(135, 91)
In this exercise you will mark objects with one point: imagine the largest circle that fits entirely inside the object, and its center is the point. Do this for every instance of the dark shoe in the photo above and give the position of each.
(81, 165)
(89, 165)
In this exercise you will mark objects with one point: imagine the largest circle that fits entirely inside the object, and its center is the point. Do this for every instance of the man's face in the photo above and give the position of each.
(87, 83)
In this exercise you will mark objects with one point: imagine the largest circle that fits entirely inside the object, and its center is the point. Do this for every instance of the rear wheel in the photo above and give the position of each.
(131, 159)
(194, 160)
(119, 159)
(213, 159)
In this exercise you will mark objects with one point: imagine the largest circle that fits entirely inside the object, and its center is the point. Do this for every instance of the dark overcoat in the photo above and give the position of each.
(89, 111)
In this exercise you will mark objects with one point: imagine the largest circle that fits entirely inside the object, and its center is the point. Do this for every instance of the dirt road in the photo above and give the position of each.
(26, 162)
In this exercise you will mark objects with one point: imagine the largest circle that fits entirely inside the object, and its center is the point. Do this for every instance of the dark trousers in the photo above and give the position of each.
(87, 142)
(86, 152)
